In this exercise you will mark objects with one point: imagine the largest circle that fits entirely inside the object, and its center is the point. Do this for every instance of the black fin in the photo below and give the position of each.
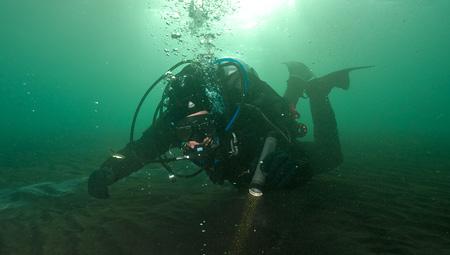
(340, 78)
(299, 70)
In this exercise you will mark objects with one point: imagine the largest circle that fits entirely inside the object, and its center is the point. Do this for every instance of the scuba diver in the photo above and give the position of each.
(235, 127)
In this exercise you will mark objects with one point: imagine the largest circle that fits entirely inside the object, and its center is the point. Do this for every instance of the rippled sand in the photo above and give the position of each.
(389, 197)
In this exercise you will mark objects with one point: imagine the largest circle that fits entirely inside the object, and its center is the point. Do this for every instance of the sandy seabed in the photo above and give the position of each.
(389, 197)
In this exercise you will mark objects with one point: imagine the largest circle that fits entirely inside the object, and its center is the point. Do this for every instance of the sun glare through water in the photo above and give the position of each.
(251, 14)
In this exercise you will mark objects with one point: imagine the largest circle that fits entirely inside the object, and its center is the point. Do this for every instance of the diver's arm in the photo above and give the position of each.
(155, 141)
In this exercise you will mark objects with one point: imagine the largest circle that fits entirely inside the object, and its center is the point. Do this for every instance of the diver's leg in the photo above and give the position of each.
(294, 90)
(326, 152)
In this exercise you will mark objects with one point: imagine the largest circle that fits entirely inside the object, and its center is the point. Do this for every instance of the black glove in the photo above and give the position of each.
(98, 184)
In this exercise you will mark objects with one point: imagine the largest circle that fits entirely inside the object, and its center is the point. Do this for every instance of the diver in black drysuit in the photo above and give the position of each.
(242, 131)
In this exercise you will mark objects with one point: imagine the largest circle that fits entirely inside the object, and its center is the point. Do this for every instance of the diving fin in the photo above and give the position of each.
(299, 70)
(340, 78)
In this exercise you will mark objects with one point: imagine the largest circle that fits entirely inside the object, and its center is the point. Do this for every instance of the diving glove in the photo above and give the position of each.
(98, 184)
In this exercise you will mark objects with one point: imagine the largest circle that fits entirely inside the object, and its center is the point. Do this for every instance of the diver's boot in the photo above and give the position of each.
(322, 86)
(318, 89)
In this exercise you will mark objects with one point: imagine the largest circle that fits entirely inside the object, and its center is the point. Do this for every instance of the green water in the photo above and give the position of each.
(59, 58)
(72, 73)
